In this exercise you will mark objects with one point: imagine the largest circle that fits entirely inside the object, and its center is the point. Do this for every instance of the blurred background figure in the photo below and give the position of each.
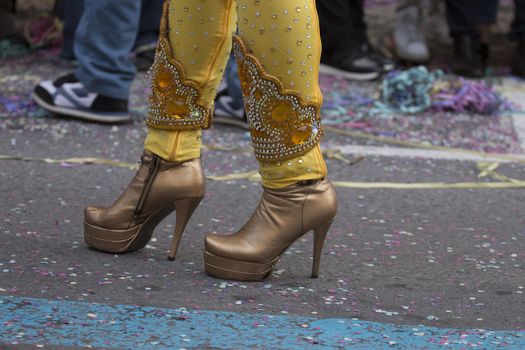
(409, 39)
(469, 22)
(346, 49)
(104, 39)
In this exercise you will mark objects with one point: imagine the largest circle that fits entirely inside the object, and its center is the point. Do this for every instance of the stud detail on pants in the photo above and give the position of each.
(283, 125)
(174, 100)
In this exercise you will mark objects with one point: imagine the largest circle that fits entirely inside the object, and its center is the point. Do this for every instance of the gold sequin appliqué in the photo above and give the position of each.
(282, 124)
(174, 100)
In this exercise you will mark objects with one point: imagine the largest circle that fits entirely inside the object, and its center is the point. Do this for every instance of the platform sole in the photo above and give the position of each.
(230, 269)
(122, 241)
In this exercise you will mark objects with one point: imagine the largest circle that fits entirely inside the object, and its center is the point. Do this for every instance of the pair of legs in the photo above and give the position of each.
(278, 51)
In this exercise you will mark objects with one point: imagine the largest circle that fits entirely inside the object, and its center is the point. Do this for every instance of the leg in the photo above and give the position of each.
(229, 107)
(518, 35)
(469, 23)
(278, 52)
(199, 42)
(72, 15)
(339, 18)
(149, 22)
(466, 16)
(292, 58)
(194, 45)
(104, 63)
(518, 25)
(144, 48)
(99, 89)
(346, 49)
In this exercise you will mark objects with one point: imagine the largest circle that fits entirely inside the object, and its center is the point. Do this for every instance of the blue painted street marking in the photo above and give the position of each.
(81, 324)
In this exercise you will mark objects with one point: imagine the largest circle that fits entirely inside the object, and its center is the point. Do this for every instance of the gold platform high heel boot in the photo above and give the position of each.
(170, 177)
(158, 188)
(282, 217)
(285, 130)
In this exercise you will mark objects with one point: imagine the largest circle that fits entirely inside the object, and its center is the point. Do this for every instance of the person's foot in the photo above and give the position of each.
(359, 64)
(518, 66)
(228, 109)
(68, 96)
(470, 57)
(408, 37)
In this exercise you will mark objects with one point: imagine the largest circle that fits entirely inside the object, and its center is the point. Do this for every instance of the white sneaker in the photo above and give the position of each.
(68, 96)
(408, 37)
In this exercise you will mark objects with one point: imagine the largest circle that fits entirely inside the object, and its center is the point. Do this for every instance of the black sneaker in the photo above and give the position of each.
(358, 64)
(386, 63)
(229, 110)
(518, 65)
(69, 97)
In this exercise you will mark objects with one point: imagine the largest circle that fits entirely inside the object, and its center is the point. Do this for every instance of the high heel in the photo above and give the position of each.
(282, 217)
(158, 188)
(319, 238)
(184, 208)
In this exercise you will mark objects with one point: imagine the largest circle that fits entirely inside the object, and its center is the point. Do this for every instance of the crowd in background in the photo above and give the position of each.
(110, 40)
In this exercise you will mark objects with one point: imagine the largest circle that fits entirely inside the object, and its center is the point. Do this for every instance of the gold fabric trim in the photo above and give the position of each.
(174, 100)
(282, 124)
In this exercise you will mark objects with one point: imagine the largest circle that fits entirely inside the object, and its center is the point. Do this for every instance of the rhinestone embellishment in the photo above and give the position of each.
(174, 100)
(282, 124)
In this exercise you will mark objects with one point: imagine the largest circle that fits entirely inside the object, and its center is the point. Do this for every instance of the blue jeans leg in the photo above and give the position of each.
(103, 42)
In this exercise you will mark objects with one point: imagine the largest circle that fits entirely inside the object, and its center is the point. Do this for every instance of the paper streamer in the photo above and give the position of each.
(389, 140)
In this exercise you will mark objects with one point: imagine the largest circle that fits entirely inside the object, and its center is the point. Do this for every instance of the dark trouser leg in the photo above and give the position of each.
(72, 13)
(518, 34)
(518, 25)
(346, 50)
(465, 16)
(149, 22)
(469, 21)
(342, 24)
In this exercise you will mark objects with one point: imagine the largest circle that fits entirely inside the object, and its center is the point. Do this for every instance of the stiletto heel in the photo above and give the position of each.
(319, 238)
(184, 208)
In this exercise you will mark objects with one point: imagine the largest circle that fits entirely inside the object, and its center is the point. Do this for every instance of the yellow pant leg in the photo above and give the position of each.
(283, 37)
(194, 46)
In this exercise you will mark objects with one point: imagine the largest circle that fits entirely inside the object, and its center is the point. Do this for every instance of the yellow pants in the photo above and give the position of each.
(277, 47)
